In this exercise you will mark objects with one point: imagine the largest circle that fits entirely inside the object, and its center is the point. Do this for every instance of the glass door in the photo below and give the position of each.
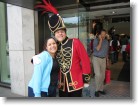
(4, 47)
(83, 32)
(70, 17)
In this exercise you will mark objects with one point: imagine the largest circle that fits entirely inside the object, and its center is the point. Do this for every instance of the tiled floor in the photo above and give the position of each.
(115, 89)
(116, 69)
(6, 92)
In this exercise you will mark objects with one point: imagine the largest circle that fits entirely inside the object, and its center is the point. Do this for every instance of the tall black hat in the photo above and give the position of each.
(55, 22)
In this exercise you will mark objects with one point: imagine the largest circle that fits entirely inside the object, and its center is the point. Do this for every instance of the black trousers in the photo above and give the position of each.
(124, 56)
(52, 91)
(77, 93)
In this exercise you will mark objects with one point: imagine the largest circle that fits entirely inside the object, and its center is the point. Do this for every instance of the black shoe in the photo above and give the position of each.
(102, 92)
(96, 94)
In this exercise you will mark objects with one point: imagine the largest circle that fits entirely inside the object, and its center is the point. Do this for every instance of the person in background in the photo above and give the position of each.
(100, 53)
(127, 49)
(46, 68)
(114, 49)
(124, 42)
(91, 56)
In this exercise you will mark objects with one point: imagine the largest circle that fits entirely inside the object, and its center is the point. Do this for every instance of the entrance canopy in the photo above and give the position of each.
(87, 3)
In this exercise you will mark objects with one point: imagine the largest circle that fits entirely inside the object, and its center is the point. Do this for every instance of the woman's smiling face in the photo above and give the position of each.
(51, 46)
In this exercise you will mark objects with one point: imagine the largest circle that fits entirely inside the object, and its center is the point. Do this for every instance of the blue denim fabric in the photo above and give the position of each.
(114, 57)
(31, 93)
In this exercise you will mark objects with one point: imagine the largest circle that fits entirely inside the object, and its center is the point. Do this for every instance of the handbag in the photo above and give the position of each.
(107, 76)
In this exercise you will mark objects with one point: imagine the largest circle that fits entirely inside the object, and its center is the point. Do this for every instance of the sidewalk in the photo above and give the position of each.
(115, 90)
(6, 92)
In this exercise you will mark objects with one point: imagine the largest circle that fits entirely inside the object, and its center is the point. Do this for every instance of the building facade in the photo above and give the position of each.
(18, 41)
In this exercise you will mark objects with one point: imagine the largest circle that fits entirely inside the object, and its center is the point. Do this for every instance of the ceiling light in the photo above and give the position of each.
(113, 12)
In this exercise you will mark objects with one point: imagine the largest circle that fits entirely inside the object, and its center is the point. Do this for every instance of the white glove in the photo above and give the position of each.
(36, 60)
(86, 85)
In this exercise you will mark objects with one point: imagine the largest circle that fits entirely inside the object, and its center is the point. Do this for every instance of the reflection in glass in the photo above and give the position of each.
(4, 47)
(72, 26)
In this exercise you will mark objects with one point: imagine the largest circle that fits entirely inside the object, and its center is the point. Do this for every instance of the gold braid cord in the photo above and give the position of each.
(64, 58)
(86, 78)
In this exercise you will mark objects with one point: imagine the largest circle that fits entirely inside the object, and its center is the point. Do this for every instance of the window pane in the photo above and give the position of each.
(4, 48)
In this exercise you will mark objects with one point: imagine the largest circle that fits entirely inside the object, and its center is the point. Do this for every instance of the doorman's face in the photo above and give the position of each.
(60, 35)
(51, 46)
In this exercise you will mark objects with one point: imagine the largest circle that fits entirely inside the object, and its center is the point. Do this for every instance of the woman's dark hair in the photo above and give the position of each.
(45, 43)
(103, 30)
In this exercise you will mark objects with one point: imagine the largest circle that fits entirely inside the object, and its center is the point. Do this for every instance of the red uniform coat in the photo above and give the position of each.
(75, 65)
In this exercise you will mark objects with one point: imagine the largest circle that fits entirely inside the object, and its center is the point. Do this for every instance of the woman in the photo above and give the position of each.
(46, 69)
